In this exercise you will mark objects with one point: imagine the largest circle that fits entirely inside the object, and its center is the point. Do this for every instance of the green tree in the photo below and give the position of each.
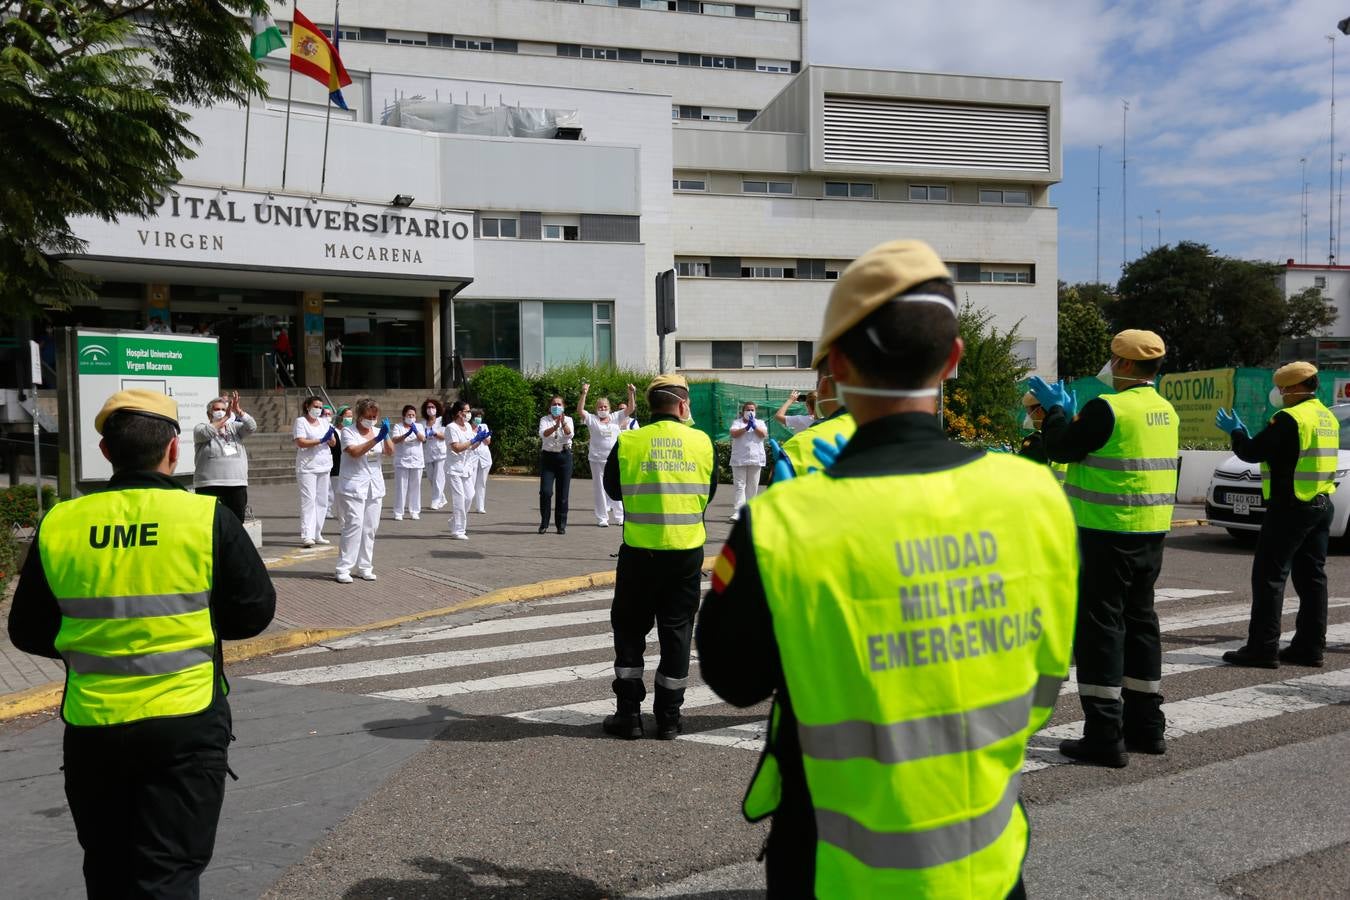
(1212, 311)
(92, 100)
(1084, 337)
(978, 404)
(1307, 313)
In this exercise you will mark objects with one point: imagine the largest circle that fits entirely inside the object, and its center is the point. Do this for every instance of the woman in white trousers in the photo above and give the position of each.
(313, 461)
(408, 464)
(434, 450)
(361, 490)
(482, 463)
(603, 429)
(747, 455)
(461, 442)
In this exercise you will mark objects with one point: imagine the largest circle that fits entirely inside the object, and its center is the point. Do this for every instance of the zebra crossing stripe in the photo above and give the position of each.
(536, 678)
(1226, 615)
(473, 629)
(592, 711)
(1162, 595)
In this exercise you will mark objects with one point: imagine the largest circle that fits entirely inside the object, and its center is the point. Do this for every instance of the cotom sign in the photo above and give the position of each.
(248, 229)
(187, 368)
(1197, 397)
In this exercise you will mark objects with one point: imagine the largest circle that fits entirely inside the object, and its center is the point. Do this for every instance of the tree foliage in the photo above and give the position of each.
(1212, 311)
(92, 120)
(978, 404)
(1308, 313)
(1084, 336)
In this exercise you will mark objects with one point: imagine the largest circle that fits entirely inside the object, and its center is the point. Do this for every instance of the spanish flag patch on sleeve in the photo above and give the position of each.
(724, 569)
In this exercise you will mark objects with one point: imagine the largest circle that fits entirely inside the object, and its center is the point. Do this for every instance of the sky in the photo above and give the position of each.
(1226, 96)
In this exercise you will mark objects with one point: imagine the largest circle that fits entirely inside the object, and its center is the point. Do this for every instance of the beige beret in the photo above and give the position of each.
(674, 383)
(1029, 400)
(145, 403)
(1134, 343)
(1294, 373)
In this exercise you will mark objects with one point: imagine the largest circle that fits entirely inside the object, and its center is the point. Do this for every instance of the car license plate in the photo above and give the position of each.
(1242, 504)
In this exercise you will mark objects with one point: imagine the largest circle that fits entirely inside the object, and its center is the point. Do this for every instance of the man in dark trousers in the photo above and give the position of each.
(1298, 452)
(134, 588)
(1122, 485)
(665, 474)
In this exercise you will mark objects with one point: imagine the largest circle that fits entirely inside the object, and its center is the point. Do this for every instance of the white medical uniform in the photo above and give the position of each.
(798, 423)
(461, 468)
(603, 434)
(408, 465)
(747, 458)
(312, 465)
(361, 492)
(434, 452)
(483, 460)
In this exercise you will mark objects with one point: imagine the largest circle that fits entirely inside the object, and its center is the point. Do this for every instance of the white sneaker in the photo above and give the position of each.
(367, 575)
(416, 517)
(603, 523)
(307, 543)
(459, 536)
(322, 540)
(618, 521)
(344, 578)
(479, 512)
(397, 517)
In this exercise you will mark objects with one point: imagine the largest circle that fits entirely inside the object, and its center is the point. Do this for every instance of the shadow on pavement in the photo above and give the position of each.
(474, 728)
(475, 878)
(1209, 543)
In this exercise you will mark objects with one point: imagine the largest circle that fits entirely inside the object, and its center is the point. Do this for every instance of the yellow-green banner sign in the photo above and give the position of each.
(1197, 396)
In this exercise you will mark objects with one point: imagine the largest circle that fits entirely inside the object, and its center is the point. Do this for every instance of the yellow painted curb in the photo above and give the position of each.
(1189, 523)
(46, 696)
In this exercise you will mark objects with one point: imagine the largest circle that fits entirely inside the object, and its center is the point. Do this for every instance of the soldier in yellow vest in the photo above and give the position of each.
(134, 587)
(1298, 452)
(1122, 484)
(834, 427)
(665, 474)
(910, 609)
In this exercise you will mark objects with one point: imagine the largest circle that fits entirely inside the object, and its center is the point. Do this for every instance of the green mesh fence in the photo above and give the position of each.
(716, 404)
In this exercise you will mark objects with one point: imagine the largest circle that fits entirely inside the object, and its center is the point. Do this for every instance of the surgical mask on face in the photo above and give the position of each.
(314, 411)
(1028, 423)
(1277, 399)
(1105, 376)
(347, 420)
(409, 420)
(478, 420)
(602, 414)
(217, 415)
(367, 423)
(430, 412)
(555, 410)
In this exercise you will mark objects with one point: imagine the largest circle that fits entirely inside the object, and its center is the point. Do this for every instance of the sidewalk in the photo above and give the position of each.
(419, 567)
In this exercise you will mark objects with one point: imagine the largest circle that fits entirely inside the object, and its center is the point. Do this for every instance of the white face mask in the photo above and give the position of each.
(602, 414)
(1028, 423)
(313, 412)
(217, 415)
(367, 423)
(1105, 376)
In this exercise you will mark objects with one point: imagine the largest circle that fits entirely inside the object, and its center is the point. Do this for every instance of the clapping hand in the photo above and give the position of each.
(412, 429)
(383, 432)
(332, 433)
(826, 452)
(1228, 421)
(481, 436)
(1050, 396)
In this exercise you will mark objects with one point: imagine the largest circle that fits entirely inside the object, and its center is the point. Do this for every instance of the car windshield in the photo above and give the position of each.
(1343, 415)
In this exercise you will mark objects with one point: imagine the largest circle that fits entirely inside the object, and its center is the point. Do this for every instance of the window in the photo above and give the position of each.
(717, 114)
(1004, 277)
(1005, 198)
(929, 193)
(601, 2)
(776, 355)
(599, 53)
(691, 269)
(351, 35)
(717, 62)
(859, 190)
(561, 232)
(726, 354)
(406, 38)
(771, 15)
(663, 5)
(773, 65)
(499, 228)
(487, 332)
(689, 184)
(993, 273)
(462, 43)
(1319, 281)
(658, 58)
(768, 272)
(577, 332)
(1024, 351)
(719, 9)
(766, 187)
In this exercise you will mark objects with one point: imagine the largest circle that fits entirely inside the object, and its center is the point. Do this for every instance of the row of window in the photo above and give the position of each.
(828, 270)
(738, 10)
(507, 228)
(864, 190)
(779, 354)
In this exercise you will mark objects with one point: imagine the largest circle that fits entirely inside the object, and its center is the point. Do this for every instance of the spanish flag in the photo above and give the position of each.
(313, 55)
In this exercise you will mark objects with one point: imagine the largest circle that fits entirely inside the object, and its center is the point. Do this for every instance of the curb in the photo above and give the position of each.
(46, 696)
(1189, 523)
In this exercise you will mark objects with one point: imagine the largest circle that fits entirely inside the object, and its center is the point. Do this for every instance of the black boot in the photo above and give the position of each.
(1251, 659)
(624, 725)
(627, 719)
(667, 708)
(1298, 656)
(668, 725)
(1097, 753)
(543, 513)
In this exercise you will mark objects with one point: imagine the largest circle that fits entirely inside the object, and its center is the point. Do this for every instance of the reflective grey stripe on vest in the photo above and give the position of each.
(664, 487)
(1140, 685)
(957, 732)
(1129, 465)
(1103, 691)
(137, 607)
(1319, 451)
(918, 849)
(1105, 499)
(140, 664)
(636, 518)
(1315, 476)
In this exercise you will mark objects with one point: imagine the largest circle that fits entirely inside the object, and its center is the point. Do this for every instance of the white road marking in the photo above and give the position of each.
(1162, 595)
(592, 711)
(1226, 615)
(535, 678)
(473, 629)
(749, 736)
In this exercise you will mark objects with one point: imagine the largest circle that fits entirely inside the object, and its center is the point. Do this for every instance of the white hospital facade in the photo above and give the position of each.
(662, 134)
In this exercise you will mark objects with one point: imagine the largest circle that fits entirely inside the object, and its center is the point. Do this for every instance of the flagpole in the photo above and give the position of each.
(290, 81)
(328, 107)
(248, 115)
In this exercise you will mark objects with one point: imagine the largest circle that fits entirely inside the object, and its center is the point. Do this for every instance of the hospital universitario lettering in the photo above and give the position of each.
(949, 590)
(300, 216)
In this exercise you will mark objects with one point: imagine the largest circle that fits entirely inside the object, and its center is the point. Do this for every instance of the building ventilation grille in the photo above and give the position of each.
(931, 135)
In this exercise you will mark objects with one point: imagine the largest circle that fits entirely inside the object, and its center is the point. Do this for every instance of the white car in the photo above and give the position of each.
(1234, 497)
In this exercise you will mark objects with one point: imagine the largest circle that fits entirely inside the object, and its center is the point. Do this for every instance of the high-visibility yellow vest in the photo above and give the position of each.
(801, 448)
(132, 573)
(1060, 471)
(665, 469)
(918, 661)
(1130, 484)
(1319, 442)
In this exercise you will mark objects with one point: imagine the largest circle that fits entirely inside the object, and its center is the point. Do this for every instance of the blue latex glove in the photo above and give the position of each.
(782, 469)
(1229, 421)
(480, 437)
(1050, 396)
(383, 432)
(826, 452)
(332, 433)
(412, 429)
(750, 423)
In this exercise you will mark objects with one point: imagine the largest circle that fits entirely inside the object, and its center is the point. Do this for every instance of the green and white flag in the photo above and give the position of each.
(266, 36)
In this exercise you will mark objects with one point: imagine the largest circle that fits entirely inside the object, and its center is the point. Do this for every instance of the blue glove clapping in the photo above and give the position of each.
(412, 429)
(383, 432)
(332, 433)
(782, 469)
(1050, 396)
(826, 452)
(481, 436)
(1228, 421)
